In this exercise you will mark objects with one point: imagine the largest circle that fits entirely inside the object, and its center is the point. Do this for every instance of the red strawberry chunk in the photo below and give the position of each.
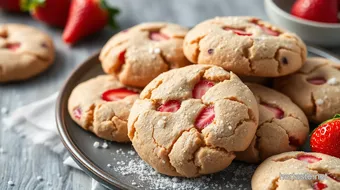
(201, 88)
(77, 113)
(279, 114)
(117, 94)
(308, 158)
(319, 186)
(121, 57)
(205, 118)
(269, 31)
(240, 32)
(169, 106)
(13, 46)
(157, 36)
(317, 80)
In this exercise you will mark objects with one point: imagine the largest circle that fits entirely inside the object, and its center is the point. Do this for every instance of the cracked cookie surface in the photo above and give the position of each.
(139, 54)
(190, 121)
(102, 105)
(246, 46)
(279, 172)
(24, 52)
(282, 127)
(315, 88)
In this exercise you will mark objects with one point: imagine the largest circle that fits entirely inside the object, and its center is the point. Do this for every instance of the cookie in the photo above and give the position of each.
(246, 46)
(298, 170)
(24, 52)
(283, 126)
(141, 53)
(102, 105)
(315, 88)
(187, 124)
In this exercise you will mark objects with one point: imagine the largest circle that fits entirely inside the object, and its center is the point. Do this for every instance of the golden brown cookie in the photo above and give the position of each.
(189, 121)
(315, 88)
(298, 170)
(102, 105)
(282, 127)
(139, 54)
(24, 52)
(246, 46)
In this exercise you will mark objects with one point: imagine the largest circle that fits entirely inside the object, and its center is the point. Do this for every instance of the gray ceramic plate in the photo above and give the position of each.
(126, 170)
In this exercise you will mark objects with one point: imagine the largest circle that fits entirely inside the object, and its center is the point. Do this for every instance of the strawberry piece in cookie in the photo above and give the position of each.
(308, 158)
(279, 114)
(170, 106)
(317, 80)
(77, 113)
(240, 32)
(319, 186)
(157, 36)
(205, 118)
(117, 94)
(265, 29)
(121, 57)
(13, 46)
(201, 88)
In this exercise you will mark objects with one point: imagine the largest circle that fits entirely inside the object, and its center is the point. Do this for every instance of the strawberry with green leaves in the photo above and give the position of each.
(326, 137)
(87, 17)
(51, 12)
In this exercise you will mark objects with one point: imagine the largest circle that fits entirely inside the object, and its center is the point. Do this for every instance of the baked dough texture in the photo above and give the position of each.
(283, 126)
(278, 172)
(106, 119)
(245, 46)
(139, 54)
(171, 142)
(24, 52)
(315, 88)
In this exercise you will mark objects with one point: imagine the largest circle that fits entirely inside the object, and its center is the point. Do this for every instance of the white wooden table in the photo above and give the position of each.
(22, 162)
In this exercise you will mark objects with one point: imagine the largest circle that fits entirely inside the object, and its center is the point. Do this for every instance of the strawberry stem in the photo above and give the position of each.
(29, 5)
(112, 13)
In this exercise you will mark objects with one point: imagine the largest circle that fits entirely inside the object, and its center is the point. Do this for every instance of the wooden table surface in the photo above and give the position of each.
(22, 162)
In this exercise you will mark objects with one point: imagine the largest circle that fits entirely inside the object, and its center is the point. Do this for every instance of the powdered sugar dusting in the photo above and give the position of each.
(137, 173)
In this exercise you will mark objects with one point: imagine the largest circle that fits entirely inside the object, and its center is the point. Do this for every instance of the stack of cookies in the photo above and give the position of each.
(180, 98)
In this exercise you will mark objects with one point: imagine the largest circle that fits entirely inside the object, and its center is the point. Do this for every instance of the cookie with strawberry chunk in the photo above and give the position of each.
(139, 54)
(282, 126)
(187, 124)
(298, 170)
(102, 105)
(24, 52)
(315, 88)
(245, 45)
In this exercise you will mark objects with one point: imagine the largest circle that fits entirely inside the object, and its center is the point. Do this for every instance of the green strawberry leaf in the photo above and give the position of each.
(336, 116)
(29, 5)
(113, 12)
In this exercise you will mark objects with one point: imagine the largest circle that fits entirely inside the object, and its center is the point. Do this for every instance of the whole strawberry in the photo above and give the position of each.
(316, 10)
(51, 12)
(10, 5)
(326, 137)
(87, 17)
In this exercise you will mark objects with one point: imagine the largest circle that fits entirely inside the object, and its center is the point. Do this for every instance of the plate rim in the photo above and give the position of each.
(78, 156)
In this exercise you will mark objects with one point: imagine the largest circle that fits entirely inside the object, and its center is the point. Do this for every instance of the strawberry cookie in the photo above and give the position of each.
(139, 54)
(102, 106)
(246, 46)
(315, 88)
(298, 170)
(282, 126)
(24, 52)
(187, 124)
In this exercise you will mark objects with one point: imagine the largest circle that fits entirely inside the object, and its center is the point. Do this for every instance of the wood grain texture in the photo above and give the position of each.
(23, 162)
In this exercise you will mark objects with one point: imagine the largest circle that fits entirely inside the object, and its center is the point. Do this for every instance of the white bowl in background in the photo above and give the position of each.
(323, 34)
